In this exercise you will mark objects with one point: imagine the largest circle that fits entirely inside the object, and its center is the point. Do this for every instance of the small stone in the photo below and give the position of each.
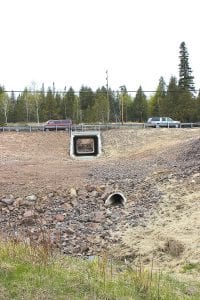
(31, 198)
(99, 217)
(73, 192)
(74, 202)
(94, 194)
(69, 230)
(18, 202)
(29, 214)
(90, 188)
(60, 218)
(66, 206)
(50, 195)
(8, 201)
(28, 218)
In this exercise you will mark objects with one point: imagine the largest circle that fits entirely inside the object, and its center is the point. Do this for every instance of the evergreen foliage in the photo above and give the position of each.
(101, 108)
(158, 99)
(171, 104)
(186, 80)
(197, 108)
(86, 97)
(176, 100)
(186, 107)
(140, 106)
(114, 114)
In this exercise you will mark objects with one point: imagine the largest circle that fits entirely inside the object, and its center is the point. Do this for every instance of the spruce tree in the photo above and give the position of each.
(140, 106)
(87, 100)
(186, 80)
(197, 110)
(171, 105)
(71, 104)
(101, 108)
(157, 100)
(186, 87)
(114, 106)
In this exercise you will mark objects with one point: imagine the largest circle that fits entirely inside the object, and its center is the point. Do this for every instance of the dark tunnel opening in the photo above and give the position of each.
(115, 199)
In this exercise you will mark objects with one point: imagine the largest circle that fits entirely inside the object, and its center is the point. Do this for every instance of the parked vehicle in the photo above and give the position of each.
(58, 125)
(162, 122)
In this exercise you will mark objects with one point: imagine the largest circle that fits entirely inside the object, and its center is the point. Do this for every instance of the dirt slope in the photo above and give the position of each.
(158, 170)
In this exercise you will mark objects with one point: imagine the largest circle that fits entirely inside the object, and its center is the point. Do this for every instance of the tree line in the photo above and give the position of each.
(175, 99)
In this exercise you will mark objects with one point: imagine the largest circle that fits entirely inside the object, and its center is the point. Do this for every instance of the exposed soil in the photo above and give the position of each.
(158, 171)
(37, 162)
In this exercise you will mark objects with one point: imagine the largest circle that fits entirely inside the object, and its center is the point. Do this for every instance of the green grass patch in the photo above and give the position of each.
(35, 273)
(189, 267)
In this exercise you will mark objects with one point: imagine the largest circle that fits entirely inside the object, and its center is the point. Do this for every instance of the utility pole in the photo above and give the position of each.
(108, 112)
(122, 88)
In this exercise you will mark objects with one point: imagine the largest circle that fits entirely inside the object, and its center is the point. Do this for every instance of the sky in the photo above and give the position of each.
(74, 42)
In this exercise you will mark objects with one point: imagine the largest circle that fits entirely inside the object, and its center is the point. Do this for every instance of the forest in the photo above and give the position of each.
(177, 99)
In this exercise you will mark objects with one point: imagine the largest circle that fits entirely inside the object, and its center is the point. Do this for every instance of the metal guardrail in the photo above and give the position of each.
(100, 127)
(89, 127)
(21, 128)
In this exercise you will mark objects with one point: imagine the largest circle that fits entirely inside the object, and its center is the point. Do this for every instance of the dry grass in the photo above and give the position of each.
(24, 274)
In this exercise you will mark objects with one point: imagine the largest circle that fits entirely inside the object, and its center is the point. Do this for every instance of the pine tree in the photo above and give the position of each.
(114, 115)
(171, 104)
(42, 99)
(140, 106)
(197, 108)
(157, 100)
(186, 80)
(86, 97)
(186, 87)
(71, 104)
(51, 107)
(20, 109)
(12, 105)
(101, 107)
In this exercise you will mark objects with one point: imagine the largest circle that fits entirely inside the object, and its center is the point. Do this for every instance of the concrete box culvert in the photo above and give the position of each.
(116, 199)
(85, 144)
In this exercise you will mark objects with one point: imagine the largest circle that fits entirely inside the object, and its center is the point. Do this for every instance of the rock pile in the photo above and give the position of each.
(76, 221)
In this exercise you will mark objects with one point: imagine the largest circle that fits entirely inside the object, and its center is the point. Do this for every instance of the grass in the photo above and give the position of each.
(190, 266)
(35, 273)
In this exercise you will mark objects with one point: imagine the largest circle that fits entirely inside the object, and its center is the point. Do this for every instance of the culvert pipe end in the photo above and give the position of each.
(116, 199)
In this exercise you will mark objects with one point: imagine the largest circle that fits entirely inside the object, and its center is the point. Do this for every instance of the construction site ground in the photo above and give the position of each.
(158, 170)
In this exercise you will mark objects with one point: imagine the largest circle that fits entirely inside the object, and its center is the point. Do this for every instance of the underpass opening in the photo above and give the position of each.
(116, 199)
(85, 144)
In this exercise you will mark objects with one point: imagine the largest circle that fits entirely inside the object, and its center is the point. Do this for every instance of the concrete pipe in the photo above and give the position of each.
(116, 198)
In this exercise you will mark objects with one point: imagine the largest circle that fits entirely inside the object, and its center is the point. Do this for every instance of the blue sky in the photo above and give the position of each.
(74, 42)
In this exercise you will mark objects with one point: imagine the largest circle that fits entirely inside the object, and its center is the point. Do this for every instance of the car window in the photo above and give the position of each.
(155, 119)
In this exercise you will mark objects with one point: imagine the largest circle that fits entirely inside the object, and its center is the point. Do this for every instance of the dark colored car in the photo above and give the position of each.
(58, 125)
